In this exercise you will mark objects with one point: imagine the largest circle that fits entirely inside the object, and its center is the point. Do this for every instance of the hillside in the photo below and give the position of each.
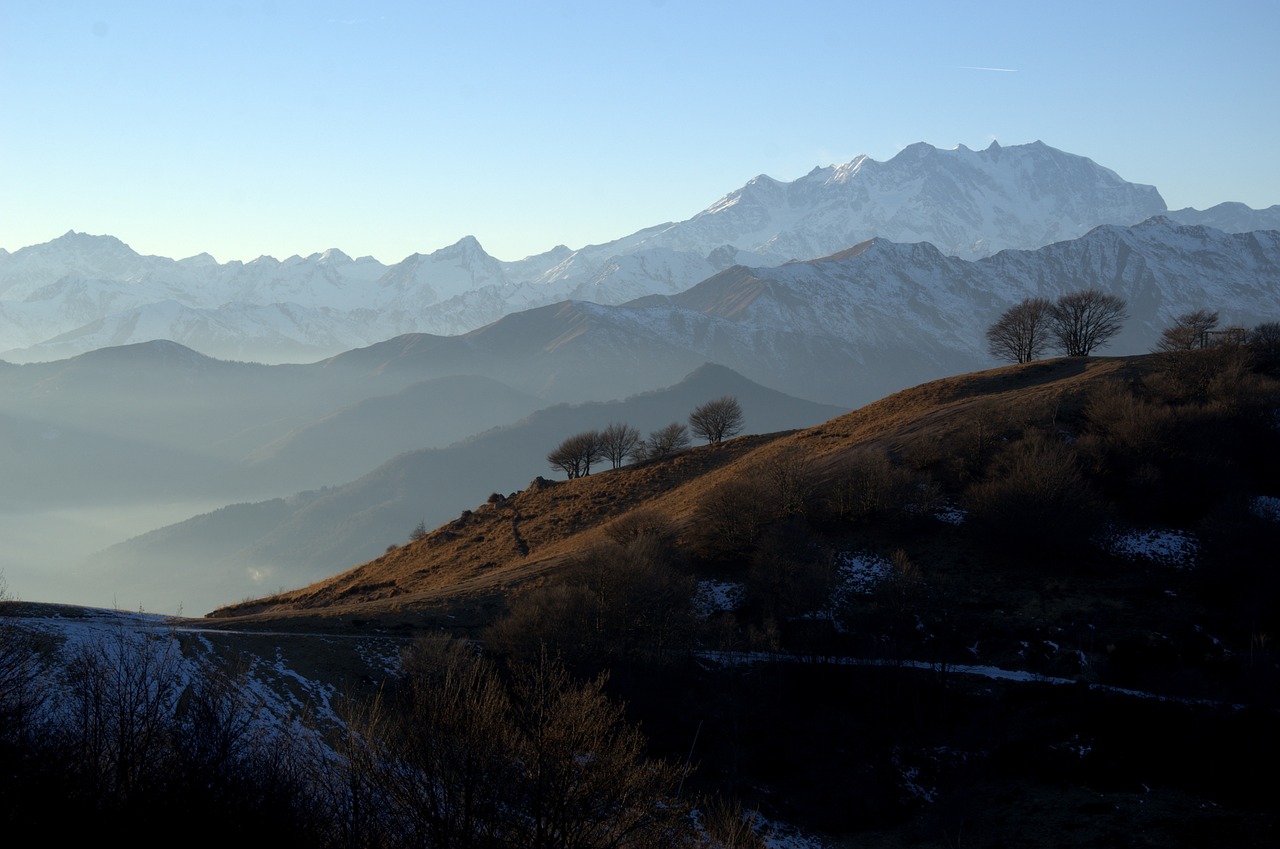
(985, 604)
(514, 539)
(244, 548)
(1027, 605)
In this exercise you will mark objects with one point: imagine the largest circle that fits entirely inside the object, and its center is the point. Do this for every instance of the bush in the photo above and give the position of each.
(1035, 495)
(867, 486)
(729, 518)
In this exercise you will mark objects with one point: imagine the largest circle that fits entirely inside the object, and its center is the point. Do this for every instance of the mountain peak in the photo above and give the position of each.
(333, 256)
(82, 241)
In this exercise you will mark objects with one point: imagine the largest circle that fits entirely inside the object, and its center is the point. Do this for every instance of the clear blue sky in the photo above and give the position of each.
(384, 128)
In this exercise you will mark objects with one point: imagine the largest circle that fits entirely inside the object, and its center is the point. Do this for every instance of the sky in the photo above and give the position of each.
(388, 128)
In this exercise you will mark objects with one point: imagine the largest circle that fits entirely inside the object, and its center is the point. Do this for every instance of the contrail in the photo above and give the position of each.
(978, 68)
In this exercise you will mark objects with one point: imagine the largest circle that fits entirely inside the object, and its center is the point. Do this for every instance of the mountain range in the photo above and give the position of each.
(81, 292)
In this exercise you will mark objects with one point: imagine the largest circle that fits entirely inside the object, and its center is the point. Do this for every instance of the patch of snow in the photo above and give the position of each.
(1265, 507)
(860, 572)
(1168, 547)
(951, 514)
(717, 596)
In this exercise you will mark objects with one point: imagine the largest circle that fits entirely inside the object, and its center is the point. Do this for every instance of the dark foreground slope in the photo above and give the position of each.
(1020, 607)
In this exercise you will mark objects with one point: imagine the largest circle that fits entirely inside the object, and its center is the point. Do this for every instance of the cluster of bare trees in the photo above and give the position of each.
(128, 732)
(714, 421)
(465, 754)
(1199, 329)
(1076, 324)
(576, 454)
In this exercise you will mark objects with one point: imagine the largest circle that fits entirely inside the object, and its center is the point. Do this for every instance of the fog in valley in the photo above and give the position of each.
(152, 477)
(44, 554)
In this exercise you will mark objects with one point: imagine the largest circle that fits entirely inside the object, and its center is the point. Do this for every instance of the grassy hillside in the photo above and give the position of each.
(867, 626)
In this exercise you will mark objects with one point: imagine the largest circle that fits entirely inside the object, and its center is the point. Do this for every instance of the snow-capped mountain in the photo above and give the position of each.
(852, 327)
(1231, 217)
(79, 292)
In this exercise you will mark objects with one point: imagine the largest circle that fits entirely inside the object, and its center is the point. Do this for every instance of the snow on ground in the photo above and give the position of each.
(1165, 546)
(860, 571)
(717, 596)
(1265, 507)
(952, 514)
(175, 657)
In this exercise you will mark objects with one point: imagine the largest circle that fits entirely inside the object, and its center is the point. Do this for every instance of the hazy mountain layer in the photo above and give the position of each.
(250, 549)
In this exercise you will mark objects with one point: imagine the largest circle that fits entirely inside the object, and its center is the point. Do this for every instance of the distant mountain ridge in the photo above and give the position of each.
(852, 327)
(80, 292)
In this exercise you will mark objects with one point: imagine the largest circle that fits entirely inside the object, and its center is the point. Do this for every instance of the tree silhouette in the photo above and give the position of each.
(1085, 320)
(1021, 334)
(668, 440)
(575, 455)
(717, 420)
(617, 441)
(1188, 332)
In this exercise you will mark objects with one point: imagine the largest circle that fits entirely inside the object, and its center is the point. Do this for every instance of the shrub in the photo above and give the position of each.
(867, 486)
(729, 518)
(1035, 494)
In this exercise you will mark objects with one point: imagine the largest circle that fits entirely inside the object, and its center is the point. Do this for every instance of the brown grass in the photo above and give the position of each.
(461, 572)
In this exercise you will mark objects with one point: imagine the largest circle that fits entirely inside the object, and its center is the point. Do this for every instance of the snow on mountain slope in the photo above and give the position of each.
(1231, 217)
(78, 291)
(851, 327)
(967, 203)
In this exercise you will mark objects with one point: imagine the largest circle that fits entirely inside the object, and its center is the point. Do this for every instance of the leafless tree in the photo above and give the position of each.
(789, 479)
(668, 440)
(1266, 334)
(575, 455)
(730, 517)
(22, 692)
(1021, 334)
(123, 692)
(467, 761)
(585, 781)
(717, 420)
(1188, 332)
(1083, 321)
(617, 441)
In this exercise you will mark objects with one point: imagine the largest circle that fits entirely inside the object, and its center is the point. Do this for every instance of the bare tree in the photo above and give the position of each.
(617, 441)
(717, 420)
(22, 676)
(670, 439)
(575, 455)
(1189, 331)
(585, 781)
(1085, 320)
(467, 761)
(1266, 335)
(1021, 334)
(123, 692)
